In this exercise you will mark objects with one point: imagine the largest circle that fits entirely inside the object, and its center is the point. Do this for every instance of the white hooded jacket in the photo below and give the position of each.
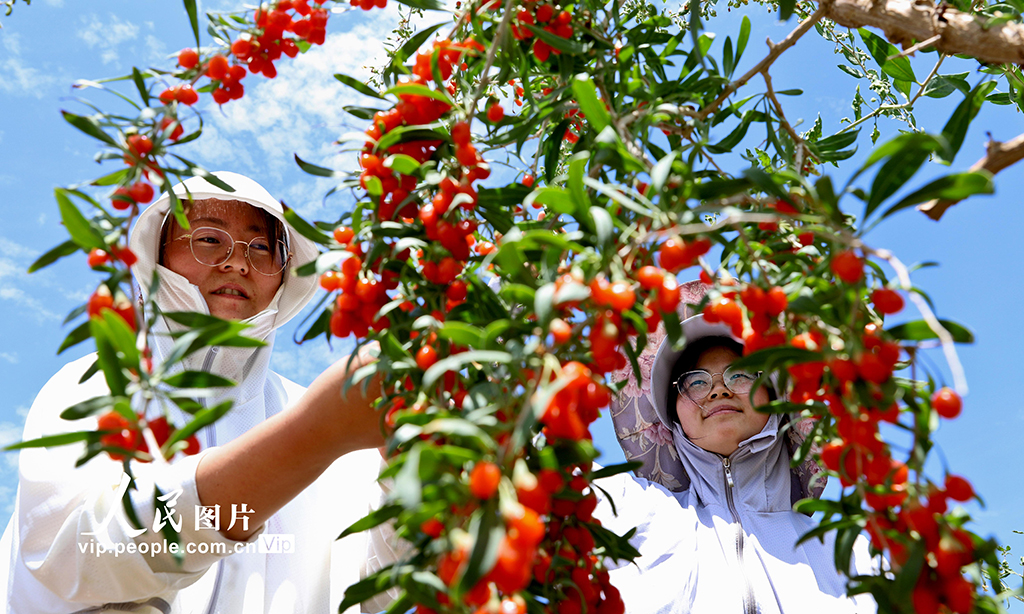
(726, 544)
(51, 549)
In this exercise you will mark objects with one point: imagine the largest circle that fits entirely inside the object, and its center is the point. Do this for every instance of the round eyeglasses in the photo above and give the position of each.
(213, 247)
(697, 385)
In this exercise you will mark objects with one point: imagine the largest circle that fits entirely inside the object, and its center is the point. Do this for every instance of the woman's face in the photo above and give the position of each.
(723, 419)
(232, 290)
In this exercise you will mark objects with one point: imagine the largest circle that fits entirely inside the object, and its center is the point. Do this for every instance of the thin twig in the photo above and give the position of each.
(773, 54)
(945, 338)
(797, 140)
(916, 47)
(492, 53)
(997, 157)
(896, 107)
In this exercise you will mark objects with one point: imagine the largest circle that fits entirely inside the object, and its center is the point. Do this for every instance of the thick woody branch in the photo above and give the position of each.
(905, 22)
(999, 156)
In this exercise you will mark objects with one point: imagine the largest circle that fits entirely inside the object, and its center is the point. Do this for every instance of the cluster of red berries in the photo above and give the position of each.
(102, 299)
(941, 586)
(542, 14)
(572, 409)
(360, 293)
(126, 437)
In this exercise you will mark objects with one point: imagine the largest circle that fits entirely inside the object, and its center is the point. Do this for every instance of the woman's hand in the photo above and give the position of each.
(277, 459)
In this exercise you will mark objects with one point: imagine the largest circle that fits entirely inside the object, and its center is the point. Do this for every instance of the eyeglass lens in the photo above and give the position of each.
(213, 247)
(697, 384)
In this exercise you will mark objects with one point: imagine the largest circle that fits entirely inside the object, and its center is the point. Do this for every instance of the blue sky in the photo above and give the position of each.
(46, 47)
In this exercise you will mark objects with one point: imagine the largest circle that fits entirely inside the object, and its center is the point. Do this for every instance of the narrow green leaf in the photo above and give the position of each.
(458, 361)
(565, 45)
(919, 330)
(106, 355)
(51, 440)
(193, 19)
(603, 224)
(202, 418)
(661, 171)
(88, 407)
(555, 198)
(313, 169)
(81, 231)
(957, 186)
(956, 127)
(461, 333)
(358, 86)
(89, 126)
(786, 9)
(893, 175)
(406, 165)
(734, 137)
(304, 228)
(427, 5)
(586, 95)
(78, 335)
(140, 84)
(197, 379)
(741, 42)
(373, 519)
(418, 90)
(64, 249)
(881, 50)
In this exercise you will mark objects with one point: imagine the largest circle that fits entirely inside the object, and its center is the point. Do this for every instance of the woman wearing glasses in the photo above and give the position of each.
(726, 542)
(284, 472)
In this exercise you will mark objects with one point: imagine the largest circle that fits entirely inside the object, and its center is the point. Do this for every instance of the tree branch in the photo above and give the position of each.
(905, 22)
(998, 157)
(773, 54)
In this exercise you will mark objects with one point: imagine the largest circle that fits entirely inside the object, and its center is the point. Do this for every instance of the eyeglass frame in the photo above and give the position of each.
(287, 260)
(677, 382)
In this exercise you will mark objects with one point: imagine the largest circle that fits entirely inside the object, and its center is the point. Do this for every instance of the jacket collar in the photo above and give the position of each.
(762, 480)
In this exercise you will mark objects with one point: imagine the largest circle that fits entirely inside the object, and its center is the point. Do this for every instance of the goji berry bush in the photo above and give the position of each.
(534, 181)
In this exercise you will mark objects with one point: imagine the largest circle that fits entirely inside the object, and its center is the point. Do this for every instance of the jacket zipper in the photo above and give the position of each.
(749, 604)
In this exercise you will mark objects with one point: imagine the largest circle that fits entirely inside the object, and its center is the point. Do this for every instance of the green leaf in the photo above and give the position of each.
(313, 169)
(487, 536)
(197, 379)
(955, 129)
(427, 5)
(943, 85)
(358, 86)
(89, 126)
(456, 362)
(461, 333)
(585, 91)
(76, 336)
(304, 228)
(733, 139)
(919, 330)
(661, 171)
(406, 165)
(741, 42)
(408, 487)
(603, 225)
(106, 355)
(565, 45)
(193, 19)
(555, 198)
(140, 84)
(881, 51)
(416, 89)
(51, 440)
(64, 249)
(957, 186)
(786, 9)
(577, 170)
(611, 470)
(81, 231)
(373, 519)
(89, 407)
(893, 175)
(202, 418)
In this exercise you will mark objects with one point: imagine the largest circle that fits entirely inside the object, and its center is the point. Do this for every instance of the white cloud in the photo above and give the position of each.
(300, 110)
(34, 306)
(106, 37)
(15, 76)
(14, 250)
(9, 357)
